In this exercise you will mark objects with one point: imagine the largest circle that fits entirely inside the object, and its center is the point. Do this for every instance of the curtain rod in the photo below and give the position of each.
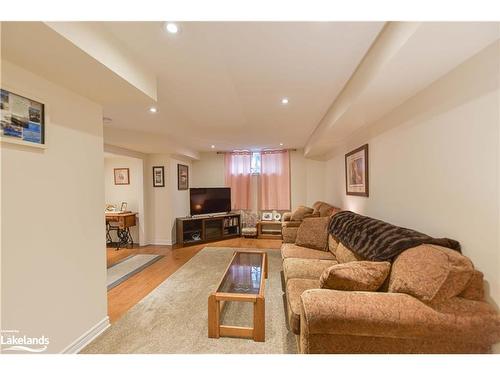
(230, 152)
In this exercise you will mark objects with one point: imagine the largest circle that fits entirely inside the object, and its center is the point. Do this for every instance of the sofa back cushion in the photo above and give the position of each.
(332, 244)
(300, 212)
(313, 233)
(344, 255)
(324, 209)
(355, 276)
(430, 273)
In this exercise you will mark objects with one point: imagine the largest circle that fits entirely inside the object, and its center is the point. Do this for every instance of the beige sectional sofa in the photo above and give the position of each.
(404, 315)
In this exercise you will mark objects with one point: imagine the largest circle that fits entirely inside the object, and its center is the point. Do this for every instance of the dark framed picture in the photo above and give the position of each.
(122, 176)
(182, 177)
(21, 118)
(356, 172)
(159, 176)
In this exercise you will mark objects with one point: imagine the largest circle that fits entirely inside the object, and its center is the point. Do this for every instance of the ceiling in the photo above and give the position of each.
(221, 83)
(433, 50)
(60, 61)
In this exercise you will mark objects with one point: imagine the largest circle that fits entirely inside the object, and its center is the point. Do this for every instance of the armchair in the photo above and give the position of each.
(249, 224)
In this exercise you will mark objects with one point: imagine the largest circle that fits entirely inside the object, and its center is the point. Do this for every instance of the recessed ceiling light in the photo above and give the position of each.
(284, 101)
(281, 144)
(172, 28)
(153, 110)
(213, 146)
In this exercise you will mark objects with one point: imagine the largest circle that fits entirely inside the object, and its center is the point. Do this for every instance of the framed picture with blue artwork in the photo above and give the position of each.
(21, 119)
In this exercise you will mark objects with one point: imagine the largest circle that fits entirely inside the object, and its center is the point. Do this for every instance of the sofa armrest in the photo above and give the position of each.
(396, 315)
(287, 216)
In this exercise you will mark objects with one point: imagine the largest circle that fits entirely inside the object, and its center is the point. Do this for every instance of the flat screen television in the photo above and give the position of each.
(209, 200)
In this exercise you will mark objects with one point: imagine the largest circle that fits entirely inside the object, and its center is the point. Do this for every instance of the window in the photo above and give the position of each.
(255, 163)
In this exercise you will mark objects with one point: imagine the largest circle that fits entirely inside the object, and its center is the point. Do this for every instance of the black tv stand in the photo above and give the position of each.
(207, 228)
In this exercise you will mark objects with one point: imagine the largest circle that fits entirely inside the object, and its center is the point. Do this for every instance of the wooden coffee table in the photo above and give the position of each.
(243, 281)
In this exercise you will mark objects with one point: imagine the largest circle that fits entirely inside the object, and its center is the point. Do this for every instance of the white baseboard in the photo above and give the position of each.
(87, 337)
(161, 242)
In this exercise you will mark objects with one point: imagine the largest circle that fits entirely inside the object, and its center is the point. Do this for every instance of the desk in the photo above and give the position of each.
(121, 222)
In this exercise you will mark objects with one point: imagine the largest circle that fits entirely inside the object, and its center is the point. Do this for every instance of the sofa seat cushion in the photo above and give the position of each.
(313, 233)
(356, 276)
(291, 250)
(249, 231)
(299, 268)
(430, 273)
(294, 289)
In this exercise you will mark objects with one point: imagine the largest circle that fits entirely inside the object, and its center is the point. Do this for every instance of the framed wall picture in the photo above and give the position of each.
(182, 177)
(356, 172)
(122, 176)
(21, 119)
(159, 176)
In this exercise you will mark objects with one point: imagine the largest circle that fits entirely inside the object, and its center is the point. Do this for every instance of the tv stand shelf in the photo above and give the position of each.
(199, 229)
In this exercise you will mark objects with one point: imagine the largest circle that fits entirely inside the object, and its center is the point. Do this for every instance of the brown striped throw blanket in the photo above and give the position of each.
(377, 240)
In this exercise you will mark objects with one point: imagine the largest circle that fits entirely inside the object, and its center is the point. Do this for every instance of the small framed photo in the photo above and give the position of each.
(123, 206)
(159, 176)
(182, 177)
(356, 172)
(122, 176)
(267, 216)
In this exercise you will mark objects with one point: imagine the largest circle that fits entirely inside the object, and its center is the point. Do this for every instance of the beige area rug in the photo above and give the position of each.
(173, 317)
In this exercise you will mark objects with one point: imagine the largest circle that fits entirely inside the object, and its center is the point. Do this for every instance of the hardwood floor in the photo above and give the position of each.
(127, 294)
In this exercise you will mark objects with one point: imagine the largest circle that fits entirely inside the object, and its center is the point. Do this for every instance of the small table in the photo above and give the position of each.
(243, 281)
(124, 221)
(269, 229)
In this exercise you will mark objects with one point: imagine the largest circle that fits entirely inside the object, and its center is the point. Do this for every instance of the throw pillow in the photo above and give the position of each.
(313, 233)
(355, 276)
(430, 273)
(298, 214)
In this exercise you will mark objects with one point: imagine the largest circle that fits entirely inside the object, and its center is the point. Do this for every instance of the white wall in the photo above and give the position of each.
(133, 193)
(434, 163)
(208, 171)
(180, 198)
(53, 239)
(165, 204)
(307, 179)
(158, 201)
